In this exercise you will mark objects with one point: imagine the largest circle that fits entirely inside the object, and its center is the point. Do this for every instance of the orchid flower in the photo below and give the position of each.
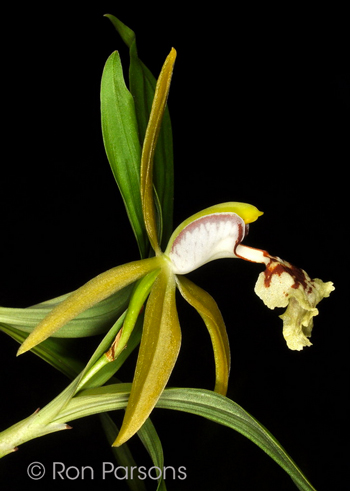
(216, 232)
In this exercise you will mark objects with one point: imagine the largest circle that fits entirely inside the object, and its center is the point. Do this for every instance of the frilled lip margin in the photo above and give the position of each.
(285, 285)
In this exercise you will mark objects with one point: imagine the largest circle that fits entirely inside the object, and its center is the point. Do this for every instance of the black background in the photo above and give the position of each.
(259, 105)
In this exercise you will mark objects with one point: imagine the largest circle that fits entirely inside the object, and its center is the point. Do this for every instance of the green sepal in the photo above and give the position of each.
(142, 86)
(159, 349)
(88, 295)
(149, 147)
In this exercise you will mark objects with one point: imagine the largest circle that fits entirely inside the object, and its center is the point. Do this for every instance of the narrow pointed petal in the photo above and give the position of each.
(149, 145)
(159, 349)
(95, 290)
(211, 315)
(137, 301)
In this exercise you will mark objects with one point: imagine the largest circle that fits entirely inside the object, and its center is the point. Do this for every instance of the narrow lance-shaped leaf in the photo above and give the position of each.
(149, 145)
(56, 352)
(200, 402)
(122, 454)
(152, 443)
(142, 86)
(96, 320)
(226, 412)
(121, 141)
(150, 440)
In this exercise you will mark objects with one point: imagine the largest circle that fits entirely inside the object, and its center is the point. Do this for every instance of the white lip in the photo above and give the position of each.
(208, 238)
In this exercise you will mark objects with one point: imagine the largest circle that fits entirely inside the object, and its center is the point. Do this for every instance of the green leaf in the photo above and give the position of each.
(55, 351)
(142, 87)
(61, 353)
(149, 439)
(122, 145)
(95, 401)
(122, 454)
(95, 320)
(201, 402)
(106, 372)
(224, 411)
(94, 291)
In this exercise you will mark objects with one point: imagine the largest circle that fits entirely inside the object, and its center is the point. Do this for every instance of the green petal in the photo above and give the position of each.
(149, 146)
(137, 301)
(159, 349)
(94, 291)
(211, 315)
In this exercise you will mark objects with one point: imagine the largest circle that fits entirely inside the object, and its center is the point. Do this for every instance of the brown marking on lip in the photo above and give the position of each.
(276, 266)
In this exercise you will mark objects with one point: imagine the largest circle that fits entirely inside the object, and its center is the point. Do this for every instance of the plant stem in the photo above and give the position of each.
(31, 427)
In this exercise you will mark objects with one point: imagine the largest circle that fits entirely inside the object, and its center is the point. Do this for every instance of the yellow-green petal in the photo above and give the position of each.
(149, 145)
(159, 349)
(138, 298)
(211, 315)
(95, 290)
